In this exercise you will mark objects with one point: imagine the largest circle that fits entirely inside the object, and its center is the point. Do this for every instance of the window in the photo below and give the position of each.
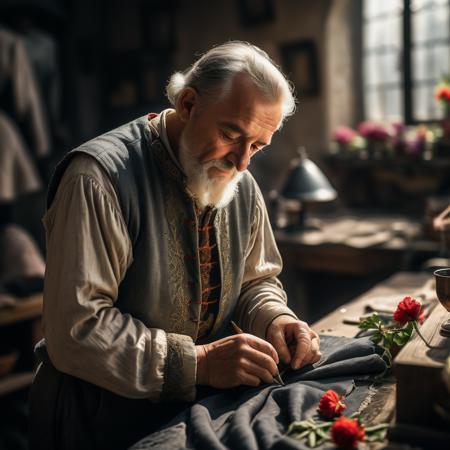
(406, 51)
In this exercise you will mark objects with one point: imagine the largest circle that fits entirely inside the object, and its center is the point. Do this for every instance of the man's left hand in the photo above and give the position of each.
(294, 341)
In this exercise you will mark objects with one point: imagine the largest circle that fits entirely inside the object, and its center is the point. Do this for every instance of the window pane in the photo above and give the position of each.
(384, 103)
(385, 32)
(382, 35)
(429, 24)
(425, 107)
(374, 8)
(430, 54)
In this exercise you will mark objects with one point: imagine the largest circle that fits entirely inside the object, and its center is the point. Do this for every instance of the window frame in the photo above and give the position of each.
(406, 64)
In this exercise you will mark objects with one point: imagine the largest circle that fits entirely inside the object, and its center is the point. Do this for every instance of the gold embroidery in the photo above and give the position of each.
(177, 283)
(173, 369)
(223, 243)
(166, 162)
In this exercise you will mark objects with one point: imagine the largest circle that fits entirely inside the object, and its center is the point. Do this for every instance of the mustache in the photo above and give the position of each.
(221, 164)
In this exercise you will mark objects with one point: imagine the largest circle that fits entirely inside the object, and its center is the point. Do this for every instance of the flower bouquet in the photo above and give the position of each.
(442, 95)
(345, 141)
(378, 139)
(344, 432)
(348, 432)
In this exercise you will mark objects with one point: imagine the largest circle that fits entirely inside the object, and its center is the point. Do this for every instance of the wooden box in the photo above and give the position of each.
(418, 370)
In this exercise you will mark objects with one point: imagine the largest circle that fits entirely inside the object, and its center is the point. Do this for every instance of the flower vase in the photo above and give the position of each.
(375, 150)
(445, 124)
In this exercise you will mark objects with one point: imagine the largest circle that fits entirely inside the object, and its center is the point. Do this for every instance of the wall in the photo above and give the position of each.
(342, 50)
(213, 22)
(202, 24)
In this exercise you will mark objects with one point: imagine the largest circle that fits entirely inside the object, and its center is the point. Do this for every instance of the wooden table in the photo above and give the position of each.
(356, 245)
(382, 407)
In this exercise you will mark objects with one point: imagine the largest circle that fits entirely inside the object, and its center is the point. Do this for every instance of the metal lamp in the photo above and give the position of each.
(306, 183)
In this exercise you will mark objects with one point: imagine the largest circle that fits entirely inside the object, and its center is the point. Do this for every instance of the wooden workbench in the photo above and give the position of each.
(382, 407)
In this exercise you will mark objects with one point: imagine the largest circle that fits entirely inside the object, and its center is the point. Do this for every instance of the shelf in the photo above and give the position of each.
(15, 381)
(391, 163)
(27, 308)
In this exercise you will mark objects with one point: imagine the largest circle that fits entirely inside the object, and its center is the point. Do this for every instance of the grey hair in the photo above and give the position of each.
(215, 70)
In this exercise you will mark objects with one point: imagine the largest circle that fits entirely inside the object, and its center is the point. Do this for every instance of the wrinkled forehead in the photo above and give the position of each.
(245, 103)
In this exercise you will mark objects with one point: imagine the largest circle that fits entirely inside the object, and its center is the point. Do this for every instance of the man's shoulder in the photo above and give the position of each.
(115, 150)
(83, 164)
(248, 184)
(118, 140)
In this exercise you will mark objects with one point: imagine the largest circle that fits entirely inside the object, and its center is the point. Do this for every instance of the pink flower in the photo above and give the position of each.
(343, 135)
(373, 132)
(409, 310)
(346, 433)
(331, 404)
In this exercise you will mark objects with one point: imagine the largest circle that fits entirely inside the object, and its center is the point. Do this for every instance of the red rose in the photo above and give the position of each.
(408, 310)
(443, 93)
(331, 404)
(346, 433)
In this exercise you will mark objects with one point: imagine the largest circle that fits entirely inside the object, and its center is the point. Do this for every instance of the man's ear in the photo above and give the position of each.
(186, 101)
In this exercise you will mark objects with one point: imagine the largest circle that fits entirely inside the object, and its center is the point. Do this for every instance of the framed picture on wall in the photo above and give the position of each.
(299, 60)
(256, 12)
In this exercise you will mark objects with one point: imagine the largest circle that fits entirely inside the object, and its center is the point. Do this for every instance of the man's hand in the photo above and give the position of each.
(294, 341)
(236, 360)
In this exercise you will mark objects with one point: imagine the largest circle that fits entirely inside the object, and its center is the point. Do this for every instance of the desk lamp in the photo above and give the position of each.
(306, 183)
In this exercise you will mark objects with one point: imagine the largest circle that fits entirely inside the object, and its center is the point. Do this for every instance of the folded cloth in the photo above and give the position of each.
(258, 418)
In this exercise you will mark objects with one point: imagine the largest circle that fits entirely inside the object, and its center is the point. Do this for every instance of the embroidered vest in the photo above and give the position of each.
(160, 288)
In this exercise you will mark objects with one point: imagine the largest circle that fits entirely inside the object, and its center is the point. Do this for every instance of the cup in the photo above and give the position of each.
(442, 278)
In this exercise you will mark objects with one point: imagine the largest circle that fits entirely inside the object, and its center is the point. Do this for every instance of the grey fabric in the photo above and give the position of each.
(258, 418)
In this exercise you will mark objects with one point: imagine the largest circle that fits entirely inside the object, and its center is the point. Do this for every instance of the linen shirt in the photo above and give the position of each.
(88, 253)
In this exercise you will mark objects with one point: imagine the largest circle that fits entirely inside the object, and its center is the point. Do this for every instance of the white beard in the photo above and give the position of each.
(206, 191)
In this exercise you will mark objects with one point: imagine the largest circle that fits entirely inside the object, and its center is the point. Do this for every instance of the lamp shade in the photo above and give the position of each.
(307, 182)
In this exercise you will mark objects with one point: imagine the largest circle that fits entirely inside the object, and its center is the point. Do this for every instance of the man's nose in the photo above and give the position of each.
(241, 157)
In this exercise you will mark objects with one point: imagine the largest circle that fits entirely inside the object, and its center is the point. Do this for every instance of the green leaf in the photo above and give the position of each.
(401, 339)
(299, 426)
(370, 323)
(299, 435)
(376, 437)
(312, 439)
(388, 340)
(324, 425)
(377, 432)
(380, 426)
(322, 433)
(376, 338)
(321, 440)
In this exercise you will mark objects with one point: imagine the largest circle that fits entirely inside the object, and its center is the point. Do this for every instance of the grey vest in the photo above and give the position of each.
(162, 286)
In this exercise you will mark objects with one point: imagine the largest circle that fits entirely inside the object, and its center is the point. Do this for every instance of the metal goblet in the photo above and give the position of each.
(442, 277)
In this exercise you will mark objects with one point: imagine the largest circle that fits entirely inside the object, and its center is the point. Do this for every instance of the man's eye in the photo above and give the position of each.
(226, 136)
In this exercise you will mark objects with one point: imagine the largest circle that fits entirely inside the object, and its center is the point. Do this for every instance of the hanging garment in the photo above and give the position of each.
(42, 53)
(18, 174)
(19, 93)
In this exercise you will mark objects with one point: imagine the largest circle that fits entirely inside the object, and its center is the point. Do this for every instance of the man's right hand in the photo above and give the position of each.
(236, 360)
